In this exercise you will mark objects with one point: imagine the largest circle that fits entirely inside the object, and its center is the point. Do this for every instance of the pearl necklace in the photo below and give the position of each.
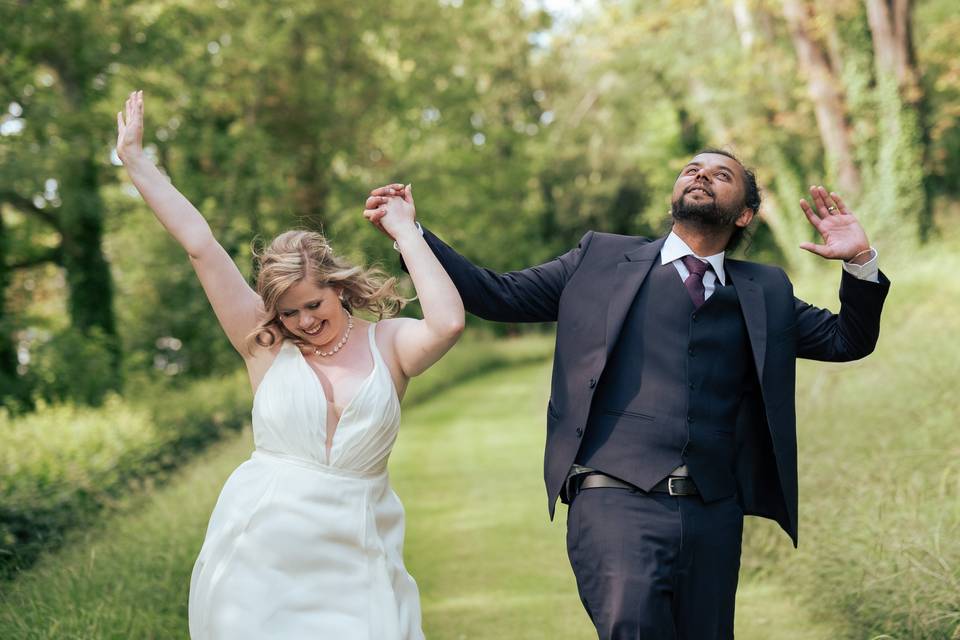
(342, 342)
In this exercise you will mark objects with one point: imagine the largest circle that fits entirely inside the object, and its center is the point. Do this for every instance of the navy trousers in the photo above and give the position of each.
(654, 566)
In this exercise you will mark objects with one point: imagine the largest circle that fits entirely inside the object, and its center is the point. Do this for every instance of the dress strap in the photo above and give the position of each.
(380, 363)
(374, 351)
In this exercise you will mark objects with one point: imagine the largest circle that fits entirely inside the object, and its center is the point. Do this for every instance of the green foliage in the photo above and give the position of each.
(74, 366)
(160, 301)
(63, 464)
(519, 128)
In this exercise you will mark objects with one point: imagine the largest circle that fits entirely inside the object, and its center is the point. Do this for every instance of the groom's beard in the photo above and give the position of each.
(707, 214)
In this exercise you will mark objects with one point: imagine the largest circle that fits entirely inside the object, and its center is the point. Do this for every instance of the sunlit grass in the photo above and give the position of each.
(879, 467)
(488, 561)
(879, 506)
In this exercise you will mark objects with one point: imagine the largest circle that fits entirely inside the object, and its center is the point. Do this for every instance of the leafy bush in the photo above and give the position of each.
(74, 366)
(63, 463)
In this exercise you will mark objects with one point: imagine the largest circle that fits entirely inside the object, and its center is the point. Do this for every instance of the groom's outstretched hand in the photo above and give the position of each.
(843, 237)
(395, 200)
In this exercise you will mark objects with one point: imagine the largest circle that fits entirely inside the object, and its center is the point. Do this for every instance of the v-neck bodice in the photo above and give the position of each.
(290, 415)
(302, 543)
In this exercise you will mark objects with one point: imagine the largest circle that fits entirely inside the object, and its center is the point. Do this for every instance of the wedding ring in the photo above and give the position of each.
(831, 208)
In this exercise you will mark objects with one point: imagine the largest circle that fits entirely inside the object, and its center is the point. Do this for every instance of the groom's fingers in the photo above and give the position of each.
(374, 215)
(825, 205)
(811, 215)
(841, 205)
(387, 190)
(821, 201)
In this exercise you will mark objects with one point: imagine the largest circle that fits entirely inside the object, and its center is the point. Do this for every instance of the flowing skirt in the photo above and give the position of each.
(297, 550)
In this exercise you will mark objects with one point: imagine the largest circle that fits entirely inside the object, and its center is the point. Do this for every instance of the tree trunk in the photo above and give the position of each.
(88, 275)
(890, 26)
(9, 383)
(895, 58)
(824, 88)
(89, 283)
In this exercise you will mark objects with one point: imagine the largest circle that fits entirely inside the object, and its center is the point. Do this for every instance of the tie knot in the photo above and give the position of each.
(695, 266)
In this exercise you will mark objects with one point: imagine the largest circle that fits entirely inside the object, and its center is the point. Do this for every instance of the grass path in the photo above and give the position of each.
(488, 561)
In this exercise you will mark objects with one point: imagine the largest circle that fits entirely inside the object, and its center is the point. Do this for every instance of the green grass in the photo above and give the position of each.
(879, 506)
(880, 467)
(127, 577)
(489, 562)
(476, 355)
(479, 540)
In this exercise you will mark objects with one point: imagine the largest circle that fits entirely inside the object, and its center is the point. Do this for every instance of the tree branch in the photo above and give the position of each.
(26, 205)
(50, 255)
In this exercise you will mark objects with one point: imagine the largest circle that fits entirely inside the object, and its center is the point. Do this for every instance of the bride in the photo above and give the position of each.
(306, 539)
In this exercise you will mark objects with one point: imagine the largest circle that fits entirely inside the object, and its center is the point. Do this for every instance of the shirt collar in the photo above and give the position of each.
(675, 248)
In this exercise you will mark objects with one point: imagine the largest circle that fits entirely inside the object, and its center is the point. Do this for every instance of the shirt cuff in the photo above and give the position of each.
(869, 271)
(396, 247)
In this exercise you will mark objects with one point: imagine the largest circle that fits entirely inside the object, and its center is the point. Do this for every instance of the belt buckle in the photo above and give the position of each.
(670, 486)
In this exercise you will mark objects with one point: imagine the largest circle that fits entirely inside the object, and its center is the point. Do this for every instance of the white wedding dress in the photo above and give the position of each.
(302, 545)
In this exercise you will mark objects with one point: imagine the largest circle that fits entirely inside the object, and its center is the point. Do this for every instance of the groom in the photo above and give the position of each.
(672, 403)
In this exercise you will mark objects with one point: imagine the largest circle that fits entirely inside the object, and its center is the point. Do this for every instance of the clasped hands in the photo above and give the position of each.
(391, 210)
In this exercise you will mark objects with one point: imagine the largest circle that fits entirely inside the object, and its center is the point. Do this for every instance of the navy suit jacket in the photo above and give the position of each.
(588, 292)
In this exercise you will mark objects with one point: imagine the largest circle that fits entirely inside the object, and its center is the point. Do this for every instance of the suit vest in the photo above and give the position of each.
(670, 391)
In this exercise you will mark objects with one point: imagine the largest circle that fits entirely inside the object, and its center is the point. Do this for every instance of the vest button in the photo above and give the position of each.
(593, 382)
(690, 419)
(695, 318)
(690, 351)
(579, 432)
(693, 386)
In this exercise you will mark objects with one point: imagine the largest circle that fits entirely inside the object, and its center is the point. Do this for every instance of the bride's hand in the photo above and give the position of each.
(130, 128)
(401, 214)
(391, 210)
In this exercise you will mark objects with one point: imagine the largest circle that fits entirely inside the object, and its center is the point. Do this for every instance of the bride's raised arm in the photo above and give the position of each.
(237, 305)
(420, 343)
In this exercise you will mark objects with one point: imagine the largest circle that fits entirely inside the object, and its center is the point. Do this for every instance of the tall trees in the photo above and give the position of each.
(517, 131)
(826, 93)
(56, 64)
(899, 81)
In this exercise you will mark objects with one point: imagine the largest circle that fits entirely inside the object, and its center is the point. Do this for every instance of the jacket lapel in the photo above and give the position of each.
(627, 281)
(754, 310)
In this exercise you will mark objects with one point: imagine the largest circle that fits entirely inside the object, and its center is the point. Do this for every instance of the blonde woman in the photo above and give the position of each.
(306, 539)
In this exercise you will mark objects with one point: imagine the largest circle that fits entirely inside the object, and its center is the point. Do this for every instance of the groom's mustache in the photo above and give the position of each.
(696, 187)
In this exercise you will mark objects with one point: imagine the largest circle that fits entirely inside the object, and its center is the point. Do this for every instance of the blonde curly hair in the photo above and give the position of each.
(295, 255)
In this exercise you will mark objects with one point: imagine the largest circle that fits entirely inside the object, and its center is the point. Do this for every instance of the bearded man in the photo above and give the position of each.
(671, 413)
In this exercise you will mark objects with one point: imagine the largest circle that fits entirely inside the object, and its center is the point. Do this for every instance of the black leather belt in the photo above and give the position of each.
(674, 485)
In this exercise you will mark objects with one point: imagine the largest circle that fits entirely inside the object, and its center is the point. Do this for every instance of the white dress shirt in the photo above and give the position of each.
(675, 248)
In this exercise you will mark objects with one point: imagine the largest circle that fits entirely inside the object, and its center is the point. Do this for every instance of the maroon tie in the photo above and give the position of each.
(694, 281)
